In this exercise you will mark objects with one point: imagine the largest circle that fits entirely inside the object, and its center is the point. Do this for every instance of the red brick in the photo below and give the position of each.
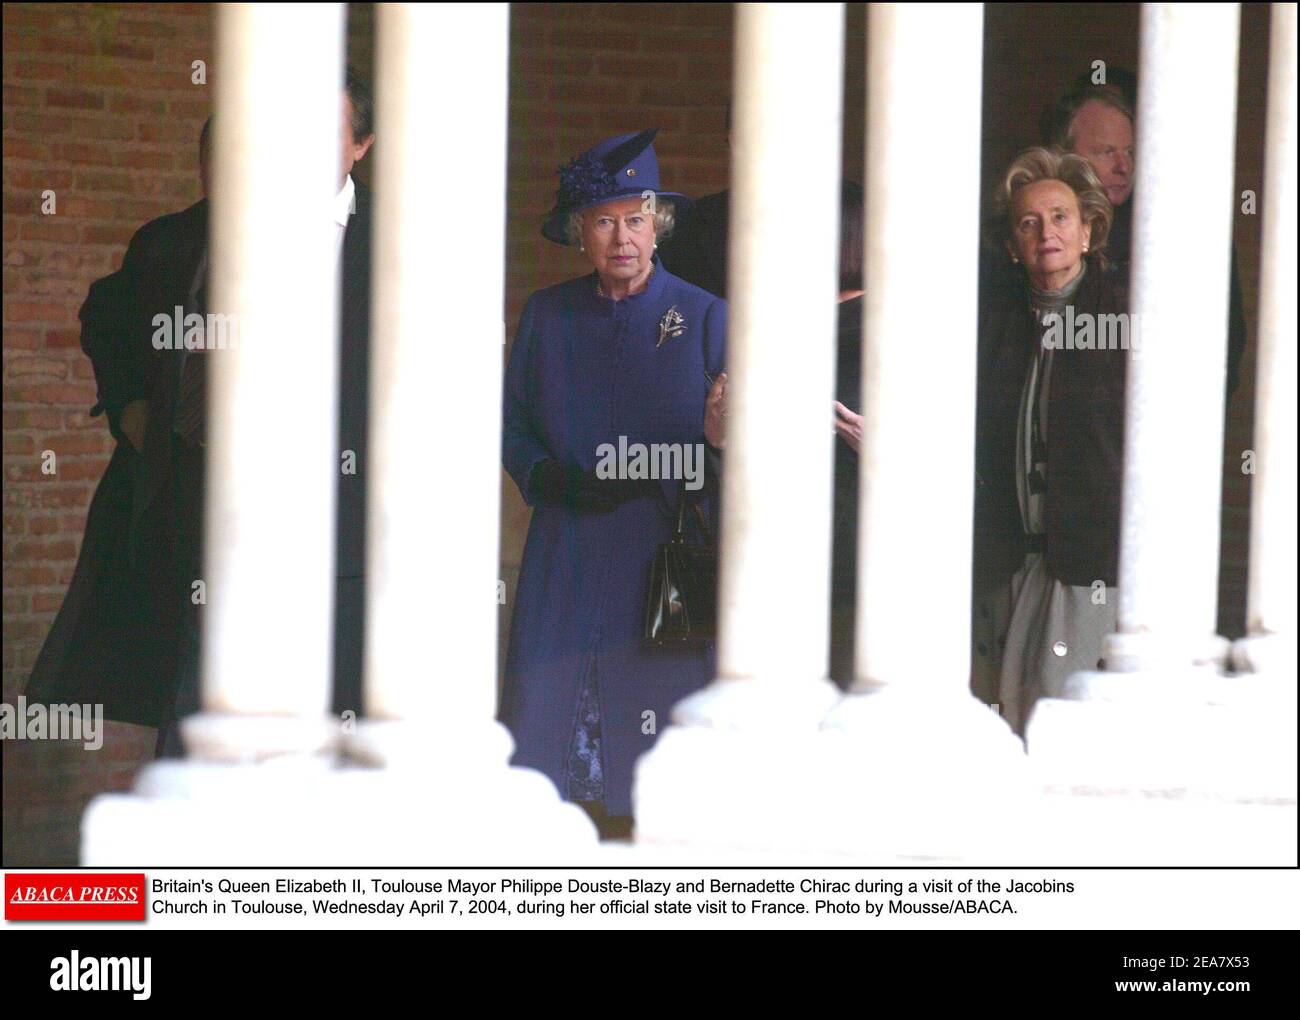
(47, 524)
(63, 496)
(42, 550)
(55, 287)
(565, 37)
(31, 418)
(33, 311)
(47, 229)
(73, 524)
(143, 159)
(15, 96)
(28, 577)
(21, 339)
(195, 109)
(85, 152)
(82, 420)
(115, 233)
(112, 181)
(46, 602)
(36, 368)
(50, 393)
(43, 70)
(66, 43)
(126, 50)
(169, 131)
(632, 70)
(138, 104)
(65, 443)
(114, 129)
(60, 338)
(147, 29)
(548, 65)
(78, 99)
(87, 208)
(37, 179)
(22, 148)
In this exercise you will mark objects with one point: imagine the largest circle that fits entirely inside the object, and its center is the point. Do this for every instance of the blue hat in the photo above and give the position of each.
(620, 167)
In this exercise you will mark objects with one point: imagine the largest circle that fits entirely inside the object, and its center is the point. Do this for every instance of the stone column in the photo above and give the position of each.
(1182, 247)
(783, 255)
(435, 407)
(918, 369)
(736, 747)
(1270, 645)
(272, 402)
(251, 788)
(924, 767)
(443, 790)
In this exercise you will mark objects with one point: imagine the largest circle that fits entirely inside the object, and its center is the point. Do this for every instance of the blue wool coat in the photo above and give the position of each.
(584, 371)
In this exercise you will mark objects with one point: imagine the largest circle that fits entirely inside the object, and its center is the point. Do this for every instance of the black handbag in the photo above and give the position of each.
(681, 606)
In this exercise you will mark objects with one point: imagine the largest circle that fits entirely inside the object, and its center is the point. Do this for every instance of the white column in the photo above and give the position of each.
(1270, 645)
(444, 790)
(733, 766)
(250, 791)
(435, 403)
(1182, 247)
(271, 411)
(925, 767)
(783, 254)
(918, 370)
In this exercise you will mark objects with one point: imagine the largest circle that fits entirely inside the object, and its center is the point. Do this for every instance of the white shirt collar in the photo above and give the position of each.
(343, 202)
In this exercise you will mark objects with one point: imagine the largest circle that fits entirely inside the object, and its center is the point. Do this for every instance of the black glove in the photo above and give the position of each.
(583, 490)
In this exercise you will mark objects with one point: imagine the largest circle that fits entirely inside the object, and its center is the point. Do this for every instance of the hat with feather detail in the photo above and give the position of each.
(624, 166)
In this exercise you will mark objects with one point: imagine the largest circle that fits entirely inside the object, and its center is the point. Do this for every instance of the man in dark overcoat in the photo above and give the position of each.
(128, 634)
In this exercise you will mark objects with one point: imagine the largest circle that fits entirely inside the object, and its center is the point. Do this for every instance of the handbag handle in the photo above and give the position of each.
(679, 534)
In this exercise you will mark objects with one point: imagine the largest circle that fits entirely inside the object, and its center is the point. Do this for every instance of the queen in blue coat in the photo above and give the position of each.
(605, 398)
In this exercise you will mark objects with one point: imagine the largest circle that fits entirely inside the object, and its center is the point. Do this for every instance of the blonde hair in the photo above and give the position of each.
(1039, 164)
(665, 215)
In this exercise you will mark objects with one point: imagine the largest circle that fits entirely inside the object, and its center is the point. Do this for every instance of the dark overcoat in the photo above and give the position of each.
(115, 639)
(117, 636)
(1085, 439)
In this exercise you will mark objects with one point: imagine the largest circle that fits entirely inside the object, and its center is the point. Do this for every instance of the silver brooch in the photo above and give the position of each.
(671, 325)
